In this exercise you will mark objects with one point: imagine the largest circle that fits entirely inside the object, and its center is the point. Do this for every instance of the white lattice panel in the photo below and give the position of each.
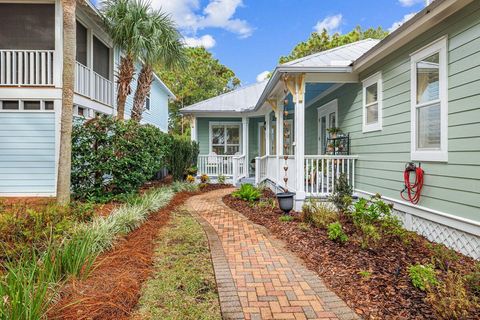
(463, 242)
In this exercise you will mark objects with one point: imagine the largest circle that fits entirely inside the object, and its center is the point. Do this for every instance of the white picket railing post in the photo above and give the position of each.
(235, 170)
(257, 170)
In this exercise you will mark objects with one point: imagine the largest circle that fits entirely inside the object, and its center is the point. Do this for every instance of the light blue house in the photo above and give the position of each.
(412, 97)
(31, 89)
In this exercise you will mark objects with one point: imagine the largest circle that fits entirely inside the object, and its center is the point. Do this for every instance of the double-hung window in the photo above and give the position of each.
(372, 103)
(429, 109)
(225, 138)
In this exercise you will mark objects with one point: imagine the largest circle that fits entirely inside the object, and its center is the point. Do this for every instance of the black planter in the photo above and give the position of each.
(285, 201)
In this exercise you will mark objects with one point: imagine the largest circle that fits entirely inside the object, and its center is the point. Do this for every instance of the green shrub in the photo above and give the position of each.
(111, 157)
(335, 233)
(221, 179)
(370, 211)
(286, 218)
(473, 280)
(422, 276)
(442, 256)
(450, 298)
(247, 192)
(343, 193)
(318, 214)
(370, 235)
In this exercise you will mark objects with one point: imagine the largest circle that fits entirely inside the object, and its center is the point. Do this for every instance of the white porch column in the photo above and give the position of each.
(299, 140)
(268, 126)
(279, 142)
(245, 121)
(194, 129)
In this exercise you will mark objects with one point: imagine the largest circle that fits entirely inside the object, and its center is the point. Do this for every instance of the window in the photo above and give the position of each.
(10, 105)
(48, 105)
(372, 103)
(429, 103)
(31, 105)
(147, 102)
(225, 138)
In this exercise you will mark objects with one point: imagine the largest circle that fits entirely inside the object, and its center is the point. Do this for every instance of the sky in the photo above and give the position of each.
(249, 36)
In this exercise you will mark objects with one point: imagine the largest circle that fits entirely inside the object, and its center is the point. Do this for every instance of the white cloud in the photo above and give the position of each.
(191, 17)
(331, 24)
(409, 3)
(206, 41)
(397, 24)
(263, 76)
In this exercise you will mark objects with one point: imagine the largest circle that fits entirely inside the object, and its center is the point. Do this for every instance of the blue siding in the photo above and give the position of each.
(158, 113)
(27, 152)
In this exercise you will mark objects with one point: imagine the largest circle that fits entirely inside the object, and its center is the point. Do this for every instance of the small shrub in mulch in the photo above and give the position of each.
(372, 275)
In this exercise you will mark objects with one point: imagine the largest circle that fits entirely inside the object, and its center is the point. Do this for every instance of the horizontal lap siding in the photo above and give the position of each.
(27, 152)
(452, 187)
(203, 132)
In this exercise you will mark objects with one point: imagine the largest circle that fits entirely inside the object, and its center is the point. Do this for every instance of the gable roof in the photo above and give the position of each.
(239, 100)
(336, 57)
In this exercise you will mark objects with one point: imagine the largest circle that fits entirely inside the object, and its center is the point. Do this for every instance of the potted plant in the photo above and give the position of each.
(330, 147)
(334, 131)
(285, 199)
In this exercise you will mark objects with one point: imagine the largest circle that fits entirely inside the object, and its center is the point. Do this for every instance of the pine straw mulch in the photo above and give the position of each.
(386, 294)
(112, 290)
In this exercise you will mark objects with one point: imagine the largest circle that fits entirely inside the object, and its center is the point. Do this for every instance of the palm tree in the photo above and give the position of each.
(166, 49)
(127, 22)
(69, 49)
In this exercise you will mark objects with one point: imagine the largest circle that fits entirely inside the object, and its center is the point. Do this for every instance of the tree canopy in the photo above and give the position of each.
(203, 77)
(323, 41)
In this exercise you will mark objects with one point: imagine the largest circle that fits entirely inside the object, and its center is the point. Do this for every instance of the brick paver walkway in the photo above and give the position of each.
(257, 277)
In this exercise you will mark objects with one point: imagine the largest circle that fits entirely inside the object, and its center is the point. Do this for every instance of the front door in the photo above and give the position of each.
(327, 118)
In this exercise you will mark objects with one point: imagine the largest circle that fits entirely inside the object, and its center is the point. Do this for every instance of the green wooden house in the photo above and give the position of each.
(412, 97)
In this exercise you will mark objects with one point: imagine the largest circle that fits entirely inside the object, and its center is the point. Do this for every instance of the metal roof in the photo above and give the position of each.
(239, 100)
(342, 56)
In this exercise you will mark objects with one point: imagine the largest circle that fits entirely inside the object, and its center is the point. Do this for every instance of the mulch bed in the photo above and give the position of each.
(112, 290)
(386, 294)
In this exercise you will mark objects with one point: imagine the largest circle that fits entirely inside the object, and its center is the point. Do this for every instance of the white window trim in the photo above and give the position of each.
(438, 46)
(225, 123)
(375, 78)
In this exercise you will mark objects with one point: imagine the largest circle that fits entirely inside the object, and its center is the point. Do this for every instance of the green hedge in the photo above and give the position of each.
(111, 157)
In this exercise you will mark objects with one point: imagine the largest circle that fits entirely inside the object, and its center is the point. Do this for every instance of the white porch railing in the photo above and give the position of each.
(82, 79)
(26, 67)
(322, 171)
(261, 169)
(234, 167)
(102, 89)
(90, 84)
(272, 168)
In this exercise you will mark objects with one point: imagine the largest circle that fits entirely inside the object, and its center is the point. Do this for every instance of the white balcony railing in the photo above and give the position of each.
(26, 67)
(90, 84)
(273, 168)
(102, 89)
(82, 79)
(321, 173)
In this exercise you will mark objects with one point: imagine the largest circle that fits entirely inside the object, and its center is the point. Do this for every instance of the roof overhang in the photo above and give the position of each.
(426, 19)
(325, 74)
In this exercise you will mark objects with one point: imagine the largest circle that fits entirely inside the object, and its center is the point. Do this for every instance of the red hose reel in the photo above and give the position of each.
(412, 191)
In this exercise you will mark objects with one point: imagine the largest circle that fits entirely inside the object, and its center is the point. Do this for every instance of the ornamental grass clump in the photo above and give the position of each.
(318, 214)
(178, 186)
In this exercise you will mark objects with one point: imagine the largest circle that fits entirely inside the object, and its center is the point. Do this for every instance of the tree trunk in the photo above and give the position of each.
(125, 77)
(144, 84)
(69, 51)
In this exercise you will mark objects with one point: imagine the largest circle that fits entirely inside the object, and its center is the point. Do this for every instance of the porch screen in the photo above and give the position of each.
(81, 44)
(101, 58)
(27, 26)
(225, 139)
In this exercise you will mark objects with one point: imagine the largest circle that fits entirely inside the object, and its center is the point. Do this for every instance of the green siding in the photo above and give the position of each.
(452, 187)
(204, 128)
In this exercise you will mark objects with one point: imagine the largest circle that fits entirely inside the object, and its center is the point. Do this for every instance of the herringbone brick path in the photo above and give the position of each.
(257, 278)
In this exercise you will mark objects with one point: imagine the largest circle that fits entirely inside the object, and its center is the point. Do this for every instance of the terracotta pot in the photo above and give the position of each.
(285, 201)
